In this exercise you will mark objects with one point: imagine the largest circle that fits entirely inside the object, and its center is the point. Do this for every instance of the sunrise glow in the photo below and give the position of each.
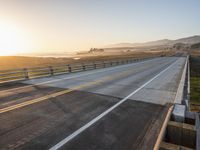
(12, 40)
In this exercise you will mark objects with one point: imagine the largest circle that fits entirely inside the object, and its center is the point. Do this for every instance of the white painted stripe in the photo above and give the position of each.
(75, 76)
(80, 130)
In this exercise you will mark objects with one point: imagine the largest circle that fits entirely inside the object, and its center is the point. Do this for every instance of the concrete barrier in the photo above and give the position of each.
(179, 94)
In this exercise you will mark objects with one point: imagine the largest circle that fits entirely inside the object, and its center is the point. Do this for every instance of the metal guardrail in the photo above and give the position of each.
(29, 73)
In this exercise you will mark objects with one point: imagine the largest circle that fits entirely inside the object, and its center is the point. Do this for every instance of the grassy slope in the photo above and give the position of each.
(195, 83)
(195, 88)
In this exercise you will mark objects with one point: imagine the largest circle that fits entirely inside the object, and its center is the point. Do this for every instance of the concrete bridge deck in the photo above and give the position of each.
(121, 107)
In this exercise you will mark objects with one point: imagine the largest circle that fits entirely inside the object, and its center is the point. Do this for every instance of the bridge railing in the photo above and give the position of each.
(29, 73)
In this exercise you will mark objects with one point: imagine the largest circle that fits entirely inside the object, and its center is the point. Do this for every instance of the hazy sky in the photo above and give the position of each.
(58, 25)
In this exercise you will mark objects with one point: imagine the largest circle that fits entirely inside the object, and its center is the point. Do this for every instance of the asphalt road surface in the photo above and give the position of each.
(116, 108)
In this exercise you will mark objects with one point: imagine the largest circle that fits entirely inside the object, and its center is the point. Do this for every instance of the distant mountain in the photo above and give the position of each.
(156, 43)
(122, 45)
(187, 40)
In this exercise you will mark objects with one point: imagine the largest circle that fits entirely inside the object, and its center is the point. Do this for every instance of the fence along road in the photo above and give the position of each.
(52, 80)
(132, 124)
(27, 73)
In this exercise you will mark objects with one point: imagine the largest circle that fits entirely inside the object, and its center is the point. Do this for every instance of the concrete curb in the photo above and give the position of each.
(180, 91)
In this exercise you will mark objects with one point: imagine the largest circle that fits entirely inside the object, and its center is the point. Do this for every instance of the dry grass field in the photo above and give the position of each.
(195, 82)
(18, 62)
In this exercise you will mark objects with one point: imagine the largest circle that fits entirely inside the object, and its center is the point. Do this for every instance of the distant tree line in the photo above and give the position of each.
(195, 46)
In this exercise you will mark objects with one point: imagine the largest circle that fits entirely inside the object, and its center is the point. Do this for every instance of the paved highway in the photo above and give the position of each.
(121, 107)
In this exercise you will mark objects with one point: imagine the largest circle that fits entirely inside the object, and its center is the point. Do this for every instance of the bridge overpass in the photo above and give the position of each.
(120, 107)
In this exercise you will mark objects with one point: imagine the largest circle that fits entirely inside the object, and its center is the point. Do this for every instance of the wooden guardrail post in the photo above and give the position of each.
(51, 72)
(69, 68)
(26, 73)
(83, 66)
(95, 66)
(104, 64)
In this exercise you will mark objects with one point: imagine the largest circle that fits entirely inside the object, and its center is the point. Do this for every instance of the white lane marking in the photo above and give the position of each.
(76, 76)
(77, 132)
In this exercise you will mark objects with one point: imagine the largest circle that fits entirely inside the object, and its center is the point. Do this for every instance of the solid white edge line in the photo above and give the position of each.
(77, 76)
(77, 132)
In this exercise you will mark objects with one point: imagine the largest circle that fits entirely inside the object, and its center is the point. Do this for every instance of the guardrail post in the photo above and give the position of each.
(111, 63)
(51, 72)
(83, 66)
(95, 66)
(26, 73)
(69, 68)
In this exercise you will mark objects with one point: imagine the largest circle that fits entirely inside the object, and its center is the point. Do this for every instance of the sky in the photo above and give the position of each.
(45, 26)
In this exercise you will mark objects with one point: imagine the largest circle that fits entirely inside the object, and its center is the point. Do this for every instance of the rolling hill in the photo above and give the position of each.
(167, 42)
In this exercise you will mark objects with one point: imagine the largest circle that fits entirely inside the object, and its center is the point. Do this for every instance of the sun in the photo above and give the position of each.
(12, 40)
